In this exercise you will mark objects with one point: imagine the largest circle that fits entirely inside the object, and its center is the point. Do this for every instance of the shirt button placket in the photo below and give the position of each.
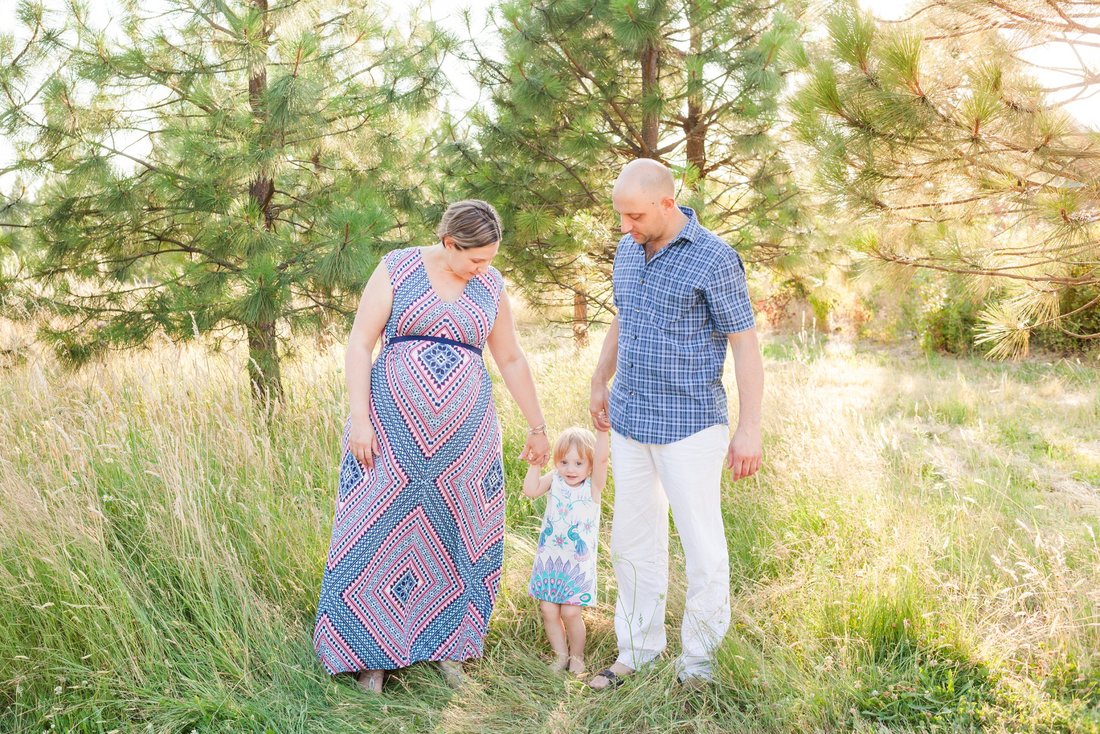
(641, 295)
(632, 408)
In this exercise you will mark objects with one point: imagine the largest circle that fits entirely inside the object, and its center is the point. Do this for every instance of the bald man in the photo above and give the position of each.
(681, 298)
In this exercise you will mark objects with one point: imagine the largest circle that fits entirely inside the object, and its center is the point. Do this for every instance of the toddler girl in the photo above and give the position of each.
(564, 574)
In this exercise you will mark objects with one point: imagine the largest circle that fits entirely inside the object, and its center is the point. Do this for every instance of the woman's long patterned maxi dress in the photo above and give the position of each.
(417, 542)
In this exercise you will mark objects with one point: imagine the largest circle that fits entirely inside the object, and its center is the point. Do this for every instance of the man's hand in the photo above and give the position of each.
(597, 407)
(743, 458)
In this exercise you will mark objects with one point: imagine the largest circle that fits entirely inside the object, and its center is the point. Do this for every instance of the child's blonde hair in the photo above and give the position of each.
(580, 439)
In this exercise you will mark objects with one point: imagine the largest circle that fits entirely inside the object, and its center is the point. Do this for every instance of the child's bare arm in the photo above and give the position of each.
(535, 485)
(599, 466)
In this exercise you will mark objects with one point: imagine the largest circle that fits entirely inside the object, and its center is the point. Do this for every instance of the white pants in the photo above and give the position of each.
(687, 475)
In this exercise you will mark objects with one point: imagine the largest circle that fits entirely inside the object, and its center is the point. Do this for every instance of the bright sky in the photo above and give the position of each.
(1052, 55)
(103, 13)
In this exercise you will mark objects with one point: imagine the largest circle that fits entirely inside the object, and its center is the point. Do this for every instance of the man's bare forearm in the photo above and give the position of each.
(749, 369)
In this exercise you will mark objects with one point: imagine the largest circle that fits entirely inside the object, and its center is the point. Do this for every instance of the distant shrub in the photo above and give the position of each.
(947, 315)
(1085, 322)
(791, 305)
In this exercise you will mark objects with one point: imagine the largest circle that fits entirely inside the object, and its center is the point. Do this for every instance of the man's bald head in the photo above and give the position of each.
(647, 177)
(645, 199)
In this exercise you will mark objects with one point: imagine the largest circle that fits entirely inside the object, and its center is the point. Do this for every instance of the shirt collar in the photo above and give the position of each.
(689, 233)
(692, 229)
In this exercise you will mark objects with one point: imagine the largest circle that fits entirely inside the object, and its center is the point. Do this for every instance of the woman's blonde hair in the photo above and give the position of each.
(470, 223)
(580, 439)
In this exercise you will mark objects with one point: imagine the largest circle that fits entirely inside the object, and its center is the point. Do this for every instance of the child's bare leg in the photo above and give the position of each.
(555, 632)
(575, 636)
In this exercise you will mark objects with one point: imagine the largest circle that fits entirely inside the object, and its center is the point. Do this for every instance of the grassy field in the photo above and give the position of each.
(919, 553)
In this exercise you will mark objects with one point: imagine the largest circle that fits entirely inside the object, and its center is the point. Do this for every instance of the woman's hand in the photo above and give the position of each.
(362, 442)
(537, 449)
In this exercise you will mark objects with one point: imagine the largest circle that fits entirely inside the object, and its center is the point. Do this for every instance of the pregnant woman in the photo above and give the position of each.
(418, 534)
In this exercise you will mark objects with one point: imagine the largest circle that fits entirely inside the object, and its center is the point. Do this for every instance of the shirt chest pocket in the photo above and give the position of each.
(674, 305)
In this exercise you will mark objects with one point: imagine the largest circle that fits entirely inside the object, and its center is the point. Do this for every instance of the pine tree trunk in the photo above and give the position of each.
(694, 129)
(580, 316)
(651, 53)
(263, 363)
(263, 352)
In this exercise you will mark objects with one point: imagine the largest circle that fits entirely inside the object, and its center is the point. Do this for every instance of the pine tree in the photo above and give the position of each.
(936, 133)
(584, 86)
(228, 168)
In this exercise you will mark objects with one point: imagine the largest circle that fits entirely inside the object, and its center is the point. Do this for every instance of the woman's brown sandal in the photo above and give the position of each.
(453, 673)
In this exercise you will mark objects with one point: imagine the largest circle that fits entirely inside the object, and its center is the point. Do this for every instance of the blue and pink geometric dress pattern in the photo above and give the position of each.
(417, 542)
(564, 571)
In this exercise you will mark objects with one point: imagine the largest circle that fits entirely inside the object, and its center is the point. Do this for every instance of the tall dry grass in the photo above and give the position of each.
(918, 553)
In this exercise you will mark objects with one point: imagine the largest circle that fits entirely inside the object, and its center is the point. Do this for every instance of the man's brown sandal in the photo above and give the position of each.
(614, 680)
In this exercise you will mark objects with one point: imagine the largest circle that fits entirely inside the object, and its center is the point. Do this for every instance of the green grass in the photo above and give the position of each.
(919, 553)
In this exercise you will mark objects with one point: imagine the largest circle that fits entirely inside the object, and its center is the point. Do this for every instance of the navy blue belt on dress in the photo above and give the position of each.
(440, 339)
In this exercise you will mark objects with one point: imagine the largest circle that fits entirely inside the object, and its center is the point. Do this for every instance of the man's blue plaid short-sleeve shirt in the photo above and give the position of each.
(674, 314)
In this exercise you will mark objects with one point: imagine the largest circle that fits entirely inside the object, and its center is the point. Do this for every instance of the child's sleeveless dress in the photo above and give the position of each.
(565, 561)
